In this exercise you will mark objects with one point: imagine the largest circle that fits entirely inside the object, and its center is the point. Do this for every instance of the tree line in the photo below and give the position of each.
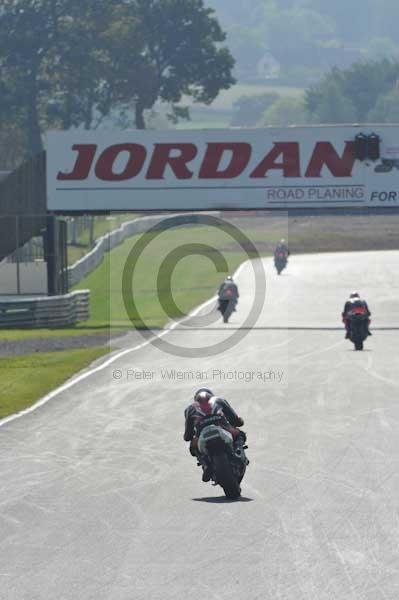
(91, 63)
(367, 92)
(308, 36)
(75, 63)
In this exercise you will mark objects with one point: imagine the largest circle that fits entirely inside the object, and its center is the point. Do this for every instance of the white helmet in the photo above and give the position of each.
(203, 395)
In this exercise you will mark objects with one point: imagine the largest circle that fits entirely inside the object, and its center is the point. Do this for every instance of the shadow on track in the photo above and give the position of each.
(228, 327)
(364, 350)
(221, 500)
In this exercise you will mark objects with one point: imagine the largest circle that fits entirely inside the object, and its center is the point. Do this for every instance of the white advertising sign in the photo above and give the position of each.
(295, 167)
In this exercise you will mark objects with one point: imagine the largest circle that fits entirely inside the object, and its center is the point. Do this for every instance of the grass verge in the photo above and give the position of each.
(28, 334)
(101, 227)
(163, 289)
(25, 379)
(195, 278)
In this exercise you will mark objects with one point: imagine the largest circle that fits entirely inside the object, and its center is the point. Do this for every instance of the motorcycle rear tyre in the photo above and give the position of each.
(225, 477)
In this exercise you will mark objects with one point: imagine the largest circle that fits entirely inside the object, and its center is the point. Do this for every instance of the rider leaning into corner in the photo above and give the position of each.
(354, 301)
(205, 405)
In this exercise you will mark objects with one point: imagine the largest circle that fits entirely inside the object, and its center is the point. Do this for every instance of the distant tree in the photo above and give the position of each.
(70, 63)
(384, 16)
(382, 47)
(352, 19)
(387, 108)
(361, 85)
(248, 48)
(183, 51)
(57, 63)
(25, 37)
(299, 33)
(284, 112)
(293, 35)
(98, 63)
(248, 110)
(237, 12)
(334, 107)
(12, 147)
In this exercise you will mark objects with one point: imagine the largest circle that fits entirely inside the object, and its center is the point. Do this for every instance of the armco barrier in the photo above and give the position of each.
(104, 244)
(43, 311)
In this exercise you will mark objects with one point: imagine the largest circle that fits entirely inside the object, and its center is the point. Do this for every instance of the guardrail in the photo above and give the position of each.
(104, 244)
(46, 312)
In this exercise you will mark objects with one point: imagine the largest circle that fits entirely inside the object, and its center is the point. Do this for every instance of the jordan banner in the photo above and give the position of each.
(232, 169)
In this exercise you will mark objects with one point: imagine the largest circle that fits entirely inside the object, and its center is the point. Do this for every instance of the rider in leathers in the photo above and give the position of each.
(228, 292)
(354, 299)
(282, 247)
(228, 285)
(206, 404)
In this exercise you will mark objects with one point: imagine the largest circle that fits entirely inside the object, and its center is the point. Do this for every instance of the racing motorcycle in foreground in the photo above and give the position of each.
(358, 326)
(224, 454)
(227, 305)
(280, 261)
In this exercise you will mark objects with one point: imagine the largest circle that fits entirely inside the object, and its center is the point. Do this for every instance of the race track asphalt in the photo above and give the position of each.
(100, 499)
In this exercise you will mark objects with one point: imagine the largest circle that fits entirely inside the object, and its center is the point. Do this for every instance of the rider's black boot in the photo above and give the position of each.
(206, 475)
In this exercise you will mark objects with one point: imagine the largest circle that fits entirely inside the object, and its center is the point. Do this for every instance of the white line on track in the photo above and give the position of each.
(373, 373)
(88, 373)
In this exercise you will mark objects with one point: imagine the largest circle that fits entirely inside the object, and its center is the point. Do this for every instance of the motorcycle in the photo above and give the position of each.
(280, 261)
(224, 454)
(227, 305)
(358, 326)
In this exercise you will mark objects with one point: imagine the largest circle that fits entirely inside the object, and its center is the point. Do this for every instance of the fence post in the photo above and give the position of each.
(63, 286)
(17, 255)
(91, 236)
(51, 256)
(73, 232)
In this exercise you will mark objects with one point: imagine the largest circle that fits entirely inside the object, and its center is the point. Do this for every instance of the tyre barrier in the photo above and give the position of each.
(45, 311)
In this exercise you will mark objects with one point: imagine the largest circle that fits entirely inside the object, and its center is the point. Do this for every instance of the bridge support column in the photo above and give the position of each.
(50, 253)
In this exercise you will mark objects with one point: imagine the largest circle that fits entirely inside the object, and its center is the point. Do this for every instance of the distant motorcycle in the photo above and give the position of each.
(227, 304)
(358, 326)
(280, 261)
(225, 455)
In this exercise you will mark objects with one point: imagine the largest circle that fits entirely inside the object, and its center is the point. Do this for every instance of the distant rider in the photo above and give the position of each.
(282, 247)
(206, 405)
(228, 289)
(353, 302)
(228, 292)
